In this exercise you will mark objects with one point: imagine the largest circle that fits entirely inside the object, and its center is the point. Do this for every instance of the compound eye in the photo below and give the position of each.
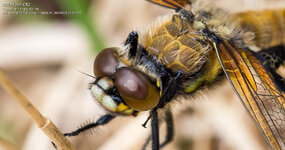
(136, 90)
(106, 62)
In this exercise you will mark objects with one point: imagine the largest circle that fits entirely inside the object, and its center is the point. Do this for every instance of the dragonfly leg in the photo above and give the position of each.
(155, 132)
(169, 131)
(101, 121)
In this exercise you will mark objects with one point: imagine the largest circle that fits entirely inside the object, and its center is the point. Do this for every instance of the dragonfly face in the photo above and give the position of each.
(187, 52)
(119, 88)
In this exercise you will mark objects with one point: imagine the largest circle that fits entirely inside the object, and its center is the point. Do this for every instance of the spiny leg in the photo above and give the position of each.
(155, 132)
(169, 131)
(101, 121)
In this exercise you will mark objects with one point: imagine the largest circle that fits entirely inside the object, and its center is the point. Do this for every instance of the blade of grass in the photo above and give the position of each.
(84, 19)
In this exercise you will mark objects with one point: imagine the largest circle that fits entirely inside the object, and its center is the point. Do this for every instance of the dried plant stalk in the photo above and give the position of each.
(45, 124)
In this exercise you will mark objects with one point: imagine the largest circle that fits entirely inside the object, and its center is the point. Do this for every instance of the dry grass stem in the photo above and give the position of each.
(44, 124)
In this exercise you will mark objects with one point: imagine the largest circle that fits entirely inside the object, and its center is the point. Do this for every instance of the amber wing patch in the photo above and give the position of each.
(173, 4)
(261, 97)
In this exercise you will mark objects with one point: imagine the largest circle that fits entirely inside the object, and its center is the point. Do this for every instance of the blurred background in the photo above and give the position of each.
(44, 54)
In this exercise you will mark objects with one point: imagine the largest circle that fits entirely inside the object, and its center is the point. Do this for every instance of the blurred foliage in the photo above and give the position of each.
(6, 129)
(84, 19)
(184, 143)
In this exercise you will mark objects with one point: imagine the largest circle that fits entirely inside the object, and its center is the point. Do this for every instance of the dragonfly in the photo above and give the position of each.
(191, 50)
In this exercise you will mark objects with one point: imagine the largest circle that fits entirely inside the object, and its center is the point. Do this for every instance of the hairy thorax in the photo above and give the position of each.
(177, 45)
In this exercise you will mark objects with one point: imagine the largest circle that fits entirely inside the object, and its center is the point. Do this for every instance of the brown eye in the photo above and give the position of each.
(105, 63)
(136, 90)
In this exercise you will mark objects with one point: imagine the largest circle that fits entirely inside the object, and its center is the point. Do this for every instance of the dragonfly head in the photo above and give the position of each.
(121, 88)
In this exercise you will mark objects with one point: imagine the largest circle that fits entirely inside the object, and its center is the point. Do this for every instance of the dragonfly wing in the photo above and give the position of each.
(262, 98)
(173, 4)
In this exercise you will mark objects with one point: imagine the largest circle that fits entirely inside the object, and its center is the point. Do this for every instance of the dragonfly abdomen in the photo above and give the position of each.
(268, 27)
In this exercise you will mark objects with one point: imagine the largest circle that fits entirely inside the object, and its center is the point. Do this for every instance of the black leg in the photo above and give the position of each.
(155, 132)
(101, 121)
(169, 131)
